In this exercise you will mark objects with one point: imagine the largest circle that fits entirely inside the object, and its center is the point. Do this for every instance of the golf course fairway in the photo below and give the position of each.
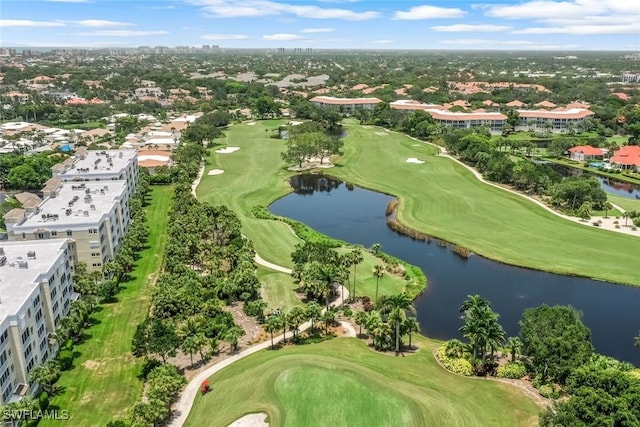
(342, 382)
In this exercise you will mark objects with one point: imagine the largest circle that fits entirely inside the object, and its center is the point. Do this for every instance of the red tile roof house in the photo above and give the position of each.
(349, 104)
(627, 157)
(582, 153)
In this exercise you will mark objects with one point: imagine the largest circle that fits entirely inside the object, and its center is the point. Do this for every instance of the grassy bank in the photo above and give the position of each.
(343, 382)
(256, 175)
(442, 198)
(103, 382)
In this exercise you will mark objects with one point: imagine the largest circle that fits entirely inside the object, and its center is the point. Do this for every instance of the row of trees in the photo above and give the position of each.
(207, 264)
(478, 149)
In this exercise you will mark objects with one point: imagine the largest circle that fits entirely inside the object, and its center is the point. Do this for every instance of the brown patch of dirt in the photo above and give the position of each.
(93, 365)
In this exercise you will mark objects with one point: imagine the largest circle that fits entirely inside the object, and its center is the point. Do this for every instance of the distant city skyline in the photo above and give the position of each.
(569, 25)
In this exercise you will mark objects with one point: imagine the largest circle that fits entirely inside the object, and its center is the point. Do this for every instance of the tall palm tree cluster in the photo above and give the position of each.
(318, 268)
(311, 312)
(481, 328)
(393, 318)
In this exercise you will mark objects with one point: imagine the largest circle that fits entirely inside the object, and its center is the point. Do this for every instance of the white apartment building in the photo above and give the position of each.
(36, 291)
(105, 165)
(94, 215)
(348, 104)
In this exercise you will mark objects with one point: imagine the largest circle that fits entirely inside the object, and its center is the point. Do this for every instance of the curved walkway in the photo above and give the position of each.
(184, 404)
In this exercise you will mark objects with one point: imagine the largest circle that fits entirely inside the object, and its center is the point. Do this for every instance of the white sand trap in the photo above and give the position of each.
(294, 123)
(216, 172)
(227, 150)
(251, 124)
(251, 420)
(414, 160)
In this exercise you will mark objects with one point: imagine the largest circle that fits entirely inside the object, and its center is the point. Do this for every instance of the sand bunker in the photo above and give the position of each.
(251, 124)
(294, 123)
(251, 420)
(216, 172)
(227, 150)
(414, 160)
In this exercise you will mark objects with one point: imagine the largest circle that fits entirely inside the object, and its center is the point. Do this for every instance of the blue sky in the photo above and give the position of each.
(338, 24)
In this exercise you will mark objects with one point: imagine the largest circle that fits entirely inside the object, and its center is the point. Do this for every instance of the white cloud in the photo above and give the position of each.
(260, 8)
(282, 37)
(578, 17)
(101, 23)
(318, 30)
(4, 23)
(429, 12)
(123, 33)
(486, 44)
(465, 28)
(588, 30)
(224, 36)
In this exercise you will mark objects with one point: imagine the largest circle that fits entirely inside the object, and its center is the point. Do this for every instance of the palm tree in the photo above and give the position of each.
(376, 248)
(356, 259)
(329, 316)
(272, 325)
(481, 326)
(295, 318)
(232, 336)
(46, 375)
(514, 345)
(361, 319)
(313, 312)
(626, 215)
(411, 326)
(397, 306)
(607, 207)
(378, 272)
(189, 346)
(327, 273)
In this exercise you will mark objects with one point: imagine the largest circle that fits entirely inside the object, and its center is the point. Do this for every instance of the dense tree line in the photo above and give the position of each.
(310, 140)
(27, 173)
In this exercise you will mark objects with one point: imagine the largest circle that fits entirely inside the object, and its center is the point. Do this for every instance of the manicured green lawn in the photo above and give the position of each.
(103, 382)
(444, 199)
(257, 175)
(342, 382)
(624, 202)
(278, 289)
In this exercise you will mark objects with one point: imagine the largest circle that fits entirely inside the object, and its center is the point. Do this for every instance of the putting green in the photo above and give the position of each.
(342, 382)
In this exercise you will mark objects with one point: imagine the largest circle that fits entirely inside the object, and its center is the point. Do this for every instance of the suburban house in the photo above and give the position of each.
(583, 153)
(349, 104)
(627, 157)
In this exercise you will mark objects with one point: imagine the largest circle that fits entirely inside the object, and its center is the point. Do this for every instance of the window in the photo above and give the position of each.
(69, 233)
(41, 236)
(93, 231)
(95, 254)
(38, 315)
(97, 264)
(55, 307)
(94, 244)
(54, 233)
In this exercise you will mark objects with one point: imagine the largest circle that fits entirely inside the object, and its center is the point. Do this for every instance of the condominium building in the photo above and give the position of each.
(106, 165)
(558, 120)
(460, 120)
(348, 104)
(94, 215)
(36, 290)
